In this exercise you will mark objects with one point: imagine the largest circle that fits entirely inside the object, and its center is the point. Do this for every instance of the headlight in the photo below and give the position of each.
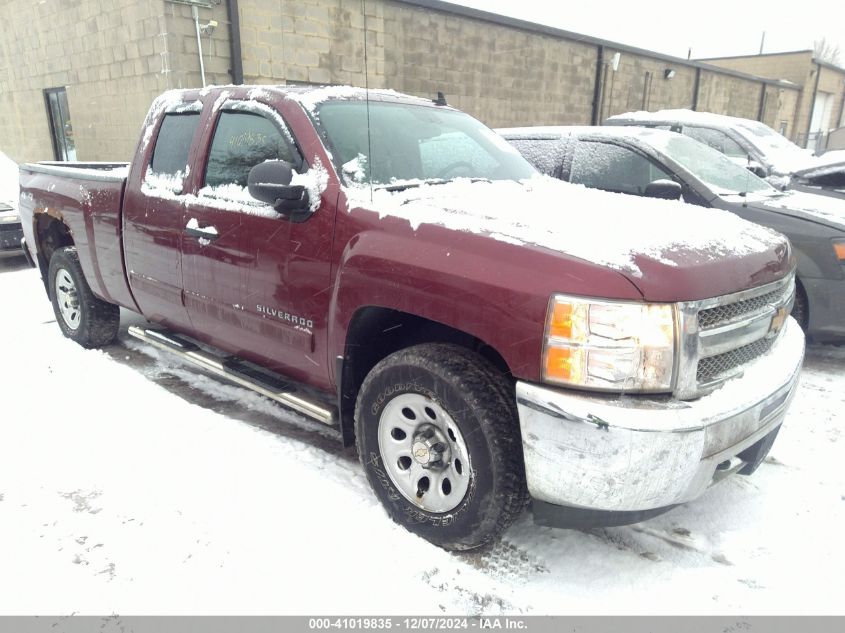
(612, 346)
(839, 250)
(10, 218)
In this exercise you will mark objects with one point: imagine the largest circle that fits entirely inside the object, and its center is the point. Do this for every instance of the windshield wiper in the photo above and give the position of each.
(402, 186)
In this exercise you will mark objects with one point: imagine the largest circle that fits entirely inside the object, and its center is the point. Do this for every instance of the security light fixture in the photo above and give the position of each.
(614, 61)
(208, 29)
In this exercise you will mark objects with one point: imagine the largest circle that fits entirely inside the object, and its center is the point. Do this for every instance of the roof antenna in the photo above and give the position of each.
(367, 97)
(441, 99)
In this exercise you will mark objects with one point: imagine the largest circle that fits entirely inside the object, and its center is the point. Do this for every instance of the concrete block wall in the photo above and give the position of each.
(311, 41)
(502, 75)
(640, 83)
(725, 94)
(115, 57)
(791, 66)
(182, 53)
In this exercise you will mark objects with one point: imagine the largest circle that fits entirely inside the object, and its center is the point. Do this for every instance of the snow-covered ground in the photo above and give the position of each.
(130, 484)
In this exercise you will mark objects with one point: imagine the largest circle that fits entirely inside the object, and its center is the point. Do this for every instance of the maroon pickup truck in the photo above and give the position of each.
(388, 265)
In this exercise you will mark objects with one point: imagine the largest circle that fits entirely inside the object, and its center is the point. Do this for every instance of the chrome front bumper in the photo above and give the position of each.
(633, 453)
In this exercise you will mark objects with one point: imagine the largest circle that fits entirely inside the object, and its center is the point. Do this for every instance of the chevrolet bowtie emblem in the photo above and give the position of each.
(778, 320)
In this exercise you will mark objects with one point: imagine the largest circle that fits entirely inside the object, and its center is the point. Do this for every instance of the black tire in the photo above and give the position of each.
(481, 403)
(801, 308)
(89, 321)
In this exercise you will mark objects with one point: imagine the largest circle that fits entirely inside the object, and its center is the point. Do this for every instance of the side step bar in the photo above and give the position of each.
(237, 372)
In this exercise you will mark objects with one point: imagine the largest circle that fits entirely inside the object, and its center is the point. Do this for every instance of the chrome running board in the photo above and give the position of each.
(239, 372)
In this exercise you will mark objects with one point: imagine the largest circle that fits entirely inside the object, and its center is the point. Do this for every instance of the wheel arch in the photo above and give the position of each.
(376, 332)
(51, 233)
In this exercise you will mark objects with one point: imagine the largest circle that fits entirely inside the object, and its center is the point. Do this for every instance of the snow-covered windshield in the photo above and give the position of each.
(784, 155)
(712, 167)
(409, 144)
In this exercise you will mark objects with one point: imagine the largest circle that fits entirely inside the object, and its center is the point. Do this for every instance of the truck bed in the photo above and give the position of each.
(87, 197)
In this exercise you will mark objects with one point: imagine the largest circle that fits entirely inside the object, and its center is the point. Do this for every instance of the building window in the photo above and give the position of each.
(61, 130)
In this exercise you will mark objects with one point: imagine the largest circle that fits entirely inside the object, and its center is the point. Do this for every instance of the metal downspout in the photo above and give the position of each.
(195, 12)
(597, 91)
(813, 104)
(235, 53)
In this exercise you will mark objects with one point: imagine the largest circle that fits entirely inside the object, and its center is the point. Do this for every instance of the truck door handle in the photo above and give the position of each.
(206, 233)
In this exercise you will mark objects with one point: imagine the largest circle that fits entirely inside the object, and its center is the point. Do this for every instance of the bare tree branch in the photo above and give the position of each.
(826, 51)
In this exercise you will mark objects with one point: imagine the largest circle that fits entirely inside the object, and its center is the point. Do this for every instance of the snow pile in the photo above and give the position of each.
(315, 181)
(356, 169)
(193, 223)
(231, 196)
(546, 212)
(163, 185)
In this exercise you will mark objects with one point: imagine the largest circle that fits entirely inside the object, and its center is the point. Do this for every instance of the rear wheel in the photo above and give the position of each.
(82, 317)
(439, 439)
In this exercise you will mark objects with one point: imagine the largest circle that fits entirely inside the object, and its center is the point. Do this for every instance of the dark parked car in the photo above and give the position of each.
(649, 162)
(754, 145)
(10, 221)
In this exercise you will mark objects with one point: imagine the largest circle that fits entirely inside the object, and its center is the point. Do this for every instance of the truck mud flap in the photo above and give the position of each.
(240, 372)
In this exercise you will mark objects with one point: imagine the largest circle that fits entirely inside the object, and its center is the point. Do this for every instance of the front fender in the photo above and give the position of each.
(495, 291)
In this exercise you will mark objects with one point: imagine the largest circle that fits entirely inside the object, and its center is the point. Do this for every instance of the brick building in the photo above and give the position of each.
(821, 102)
(77, 76)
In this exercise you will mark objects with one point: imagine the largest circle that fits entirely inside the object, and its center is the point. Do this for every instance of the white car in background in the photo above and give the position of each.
(768, 154)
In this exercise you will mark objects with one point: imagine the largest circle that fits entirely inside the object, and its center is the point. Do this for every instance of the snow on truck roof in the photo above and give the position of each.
(308, 96)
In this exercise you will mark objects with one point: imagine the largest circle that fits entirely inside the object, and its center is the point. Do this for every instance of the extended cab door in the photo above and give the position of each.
(153, 214)
(256, 283)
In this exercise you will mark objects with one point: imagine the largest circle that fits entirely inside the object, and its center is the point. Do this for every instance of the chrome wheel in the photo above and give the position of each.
(67, 297)
(424, 452)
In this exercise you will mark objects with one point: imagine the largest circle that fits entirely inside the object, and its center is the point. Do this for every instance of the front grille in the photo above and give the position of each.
(720, 315)
(722, 335)
(715, 367)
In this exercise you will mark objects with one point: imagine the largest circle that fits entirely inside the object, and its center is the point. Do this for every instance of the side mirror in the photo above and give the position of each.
(757, 169)
(664, 189)
(270, 182)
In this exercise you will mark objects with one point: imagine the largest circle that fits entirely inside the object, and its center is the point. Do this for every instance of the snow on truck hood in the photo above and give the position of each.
(622, 232)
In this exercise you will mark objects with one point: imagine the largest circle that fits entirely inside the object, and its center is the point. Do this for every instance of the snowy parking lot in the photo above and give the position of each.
(131, 484)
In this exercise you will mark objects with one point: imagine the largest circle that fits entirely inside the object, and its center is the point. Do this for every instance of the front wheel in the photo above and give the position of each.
(82, 317)
(439, 439)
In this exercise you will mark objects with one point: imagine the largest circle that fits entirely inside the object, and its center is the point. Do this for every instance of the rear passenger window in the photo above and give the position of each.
(241, 141)
(613, 168)
(170, 156)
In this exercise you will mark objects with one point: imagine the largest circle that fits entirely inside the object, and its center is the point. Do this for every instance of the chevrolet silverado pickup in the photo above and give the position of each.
(388, 265)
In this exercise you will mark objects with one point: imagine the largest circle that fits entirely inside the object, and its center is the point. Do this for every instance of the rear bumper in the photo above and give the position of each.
(636, 454)
(826, 298)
